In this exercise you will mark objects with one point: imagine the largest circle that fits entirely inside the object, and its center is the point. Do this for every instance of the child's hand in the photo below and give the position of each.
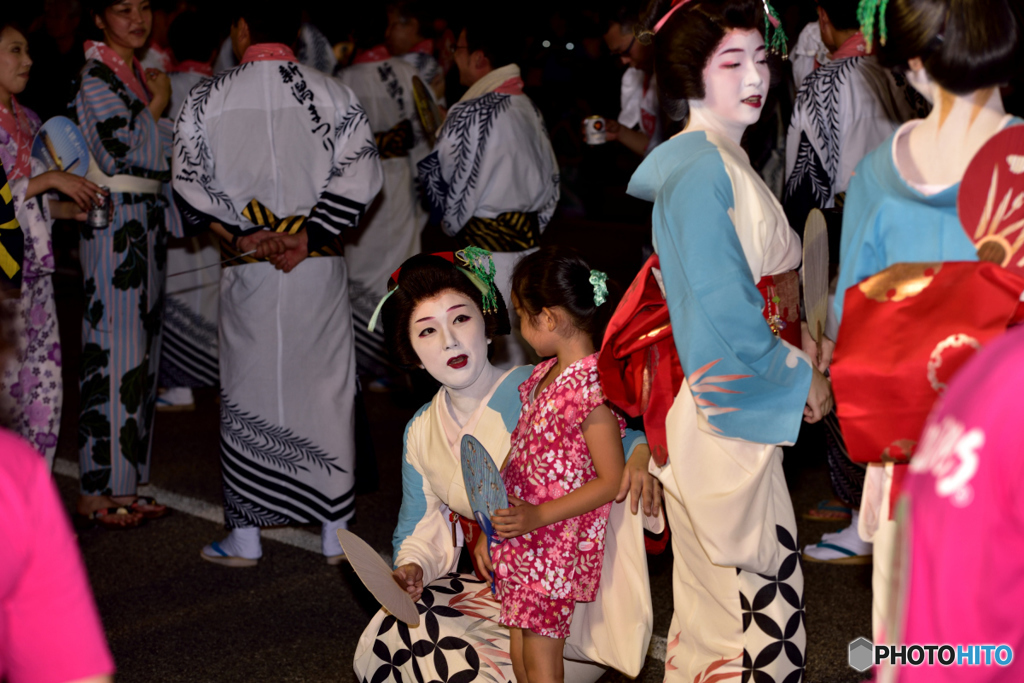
(518, 520)
(482, 560)
(410, 577)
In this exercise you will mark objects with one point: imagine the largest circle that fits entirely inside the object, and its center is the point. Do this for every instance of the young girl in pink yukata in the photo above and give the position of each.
(564, 467)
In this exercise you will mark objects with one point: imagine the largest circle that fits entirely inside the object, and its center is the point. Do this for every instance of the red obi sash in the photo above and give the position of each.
(905, 332)
(639, 365)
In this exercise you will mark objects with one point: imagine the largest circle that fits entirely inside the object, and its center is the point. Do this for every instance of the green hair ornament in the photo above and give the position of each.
(600, 282)
(866, 13)
(480, 270)
(775, 39)
(376, 311)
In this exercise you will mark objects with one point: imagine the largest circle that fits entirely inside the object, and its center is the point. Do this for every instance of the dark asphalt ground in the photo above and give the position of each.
(170, 616)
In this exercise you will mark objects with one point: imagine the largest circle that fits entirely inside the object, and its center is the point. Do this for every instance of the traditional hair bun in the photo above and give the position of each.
(965, 45)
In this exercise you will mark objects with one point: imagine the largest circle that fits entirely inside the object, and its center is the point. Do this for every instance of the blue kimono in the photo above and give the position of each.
(886, 221)
(718, 232)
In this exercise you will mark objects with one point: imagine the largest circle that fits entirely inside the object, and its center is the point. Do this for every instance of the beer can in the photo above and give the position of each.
(99, 214)
(595, 128)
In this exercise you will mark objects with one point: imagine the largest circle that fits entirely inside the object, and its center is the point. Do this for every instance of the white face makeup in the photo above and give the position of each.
(449, 337)
(736, 79)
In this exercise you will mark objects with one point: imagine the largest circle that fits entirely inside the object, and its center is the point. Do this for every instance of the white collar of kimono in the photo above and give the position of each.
(704, 118)
(491, 82)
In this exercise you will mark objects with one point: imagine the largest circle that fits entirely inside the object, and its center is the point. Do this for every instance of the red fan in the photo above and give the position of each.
(991, 200)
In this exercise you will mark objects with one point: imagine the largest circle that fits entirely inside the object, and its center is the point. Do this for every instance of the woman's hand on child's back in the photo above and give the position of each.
(410, 577)
(639, 484)
(518, 520)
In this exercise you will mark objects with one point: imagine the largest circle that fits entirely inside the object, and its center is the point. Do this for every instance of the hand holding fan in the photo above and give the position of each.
(814, 273)
(376, 576)
(484, 487)
(61, 146)
(990, 202)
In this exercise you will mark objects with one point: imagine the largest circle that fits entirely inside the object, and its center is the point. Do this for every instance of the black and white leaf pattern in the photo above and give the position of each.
(820, 95)
(367, 151)
(240, 512)
(808, 170)
(469, 125)
(194, 112)
(275, 445)
(432, 182)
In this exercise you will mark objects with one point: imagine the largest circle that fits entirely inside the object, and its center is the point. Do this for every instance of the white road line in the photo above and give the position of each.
(298, 538)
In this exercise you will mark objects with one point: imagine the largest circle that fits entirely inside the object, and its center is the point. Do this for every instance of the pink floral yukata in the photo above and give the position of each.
(31, 388)
(541, 575)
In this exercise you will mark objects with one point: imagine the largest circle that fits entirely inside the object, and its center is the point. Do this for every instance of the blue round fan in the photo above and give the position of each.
(484, 487)
(61, 146)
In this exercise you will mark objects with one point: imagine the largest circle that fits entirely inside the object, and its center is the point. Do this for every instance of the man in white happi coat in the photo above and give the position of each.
(845, 108)
(493, 177)
(390, 233)
(279, 158)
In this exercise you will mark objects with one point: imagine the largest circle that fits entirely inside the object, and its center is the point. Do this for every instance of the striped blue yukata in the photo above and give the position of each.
(124, 271)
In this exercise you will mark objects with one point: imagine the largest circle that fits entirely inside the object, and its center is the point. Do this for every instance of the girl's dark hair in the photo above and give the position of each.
(965, 45)
(14, 24)
(423, 277)
(684, 45)
(558, 276)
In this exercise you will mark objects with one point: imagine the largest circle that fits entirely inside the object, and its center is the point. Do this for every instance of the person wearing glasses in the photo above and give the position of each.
(639, 125)
(492, 178)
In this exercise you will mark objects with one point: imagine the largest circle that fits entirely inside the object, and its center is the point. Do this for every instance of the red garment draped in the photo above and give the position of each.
(639, 365)
(905, 333)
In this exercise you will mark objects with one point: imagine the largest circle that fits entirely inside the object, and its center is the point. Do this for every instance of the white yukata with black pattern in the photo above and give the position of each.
(297, 141)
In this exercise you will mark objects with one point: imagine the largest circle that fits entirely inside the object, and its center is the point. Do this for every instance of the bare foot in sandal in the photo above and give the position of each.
(143, 505)
(107, 512)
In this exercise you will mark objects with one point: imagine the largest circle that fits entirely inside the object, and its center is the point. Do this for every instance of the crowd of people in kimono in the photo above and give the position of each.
(836, 236)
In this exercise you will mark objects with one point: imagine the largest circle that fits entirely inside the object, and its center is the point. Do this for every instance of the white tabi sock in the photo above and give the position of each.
(243, 542)
(329, 543)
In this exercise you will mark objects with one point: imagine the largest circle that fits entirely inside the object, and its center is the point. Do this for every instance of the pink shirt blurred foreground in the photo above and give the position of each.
(49, 628)
(962, 564)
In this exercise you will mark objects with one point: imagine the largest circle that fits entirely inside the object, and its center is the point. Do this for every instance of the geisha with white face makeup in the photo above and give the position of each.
(735, 85)
(727, 259)
(434, 320)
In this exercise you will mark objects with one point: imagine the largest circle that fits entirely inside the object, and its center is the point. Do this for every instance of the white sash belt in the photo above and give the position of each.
(123, 183)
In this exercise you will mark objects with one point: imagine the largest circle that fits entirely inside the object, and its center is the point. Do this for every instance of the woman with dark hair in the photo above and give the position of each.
(902, 203)
(31, 390)
(441, 316)
(118, 108)
(727, 257)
